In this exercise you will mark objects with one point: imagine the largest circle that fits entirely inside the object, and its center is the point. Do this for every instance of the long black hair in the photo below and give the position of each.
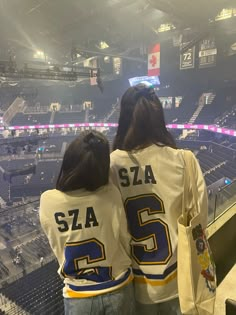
(141, 121)
(86, 163)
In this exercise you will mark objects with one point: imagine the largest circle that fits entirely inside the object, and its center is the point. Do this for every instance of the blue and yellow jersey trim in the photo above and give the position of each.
(156, 280)
(85, 291)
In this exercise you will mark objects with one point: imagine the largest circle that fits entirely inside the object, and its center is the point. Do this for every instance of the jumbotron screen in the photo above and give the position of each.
(149, 81)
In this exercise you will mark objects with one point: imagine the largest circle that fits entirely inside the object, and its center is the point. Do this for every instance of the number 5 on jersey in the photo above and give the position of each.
(151, 239)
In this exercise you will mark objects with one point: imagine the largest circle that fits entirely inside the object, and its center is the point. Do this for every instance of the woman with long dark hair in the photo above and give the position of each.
(149, 171)
(85, 223)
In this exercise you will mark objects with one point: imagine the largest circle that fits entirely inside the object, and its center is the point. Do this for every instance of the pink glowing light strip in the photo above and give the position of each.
(212, 128)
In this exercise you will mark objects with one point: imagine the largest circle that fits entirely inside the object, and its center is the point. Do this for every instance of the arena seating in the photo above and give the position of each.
(102, 108)
(4, 186)
(115, 115)
(4, 271)
(228, 119)
(21, 119)
(24, 251)
(15, 227)
(6, 98)
(39, 292)
(11, 165)
(224, 100)
(67, 114)
(35, 108)
(184, 112)
(180, 115)
(68, 117)
(41, 289)
(36, 248)
(43, 179)
(216, 161)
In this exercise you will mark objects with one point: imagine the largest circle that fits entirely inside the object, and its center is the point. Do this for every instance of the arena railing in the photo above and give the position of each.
(224, 199)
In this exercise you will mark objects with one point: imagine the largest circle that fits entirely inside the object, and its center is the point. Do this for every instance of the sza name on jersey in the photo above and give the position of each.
(136, 175)
(90, 220)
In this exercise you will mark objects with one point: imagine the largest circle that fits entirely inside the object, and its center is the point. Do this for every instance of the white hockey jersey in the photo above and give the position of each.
(87, 232)
(151, 182)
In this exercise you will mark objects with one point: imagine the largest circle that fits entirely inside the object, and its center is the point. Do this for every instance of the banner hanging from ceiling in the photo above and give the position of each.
(207, 53)
(187, 59)
(117, 65)
(154, 60)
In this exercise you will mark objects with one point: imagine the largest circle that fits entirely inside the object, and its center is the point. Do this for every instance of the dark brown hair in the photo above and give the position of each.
(86, 163)
(141, 121)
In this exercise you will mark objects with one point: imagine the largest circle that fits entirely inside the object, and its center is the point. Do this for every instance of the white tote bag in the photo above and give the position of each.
(196, 268)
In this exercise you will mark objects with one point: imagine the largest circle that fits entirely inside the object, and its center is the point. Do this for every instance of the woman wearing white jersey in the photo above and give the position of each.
(85, 223)
(149, 171)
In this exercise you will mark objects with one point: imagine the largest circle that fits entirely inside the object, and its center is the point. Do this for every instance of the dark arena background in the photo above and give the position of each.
(63, 68)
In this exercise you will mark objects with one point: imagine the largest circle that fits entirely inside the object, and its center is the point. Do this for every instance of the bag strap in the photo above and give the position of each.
(189, 179)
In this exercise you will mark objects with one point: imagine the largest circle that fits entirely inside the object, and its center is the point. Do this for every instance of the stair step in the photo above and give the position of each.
(8, 306)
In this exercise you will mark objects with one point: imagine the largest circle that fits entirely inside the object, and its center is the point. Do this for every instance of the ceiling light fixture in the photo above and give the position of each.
(103, 45)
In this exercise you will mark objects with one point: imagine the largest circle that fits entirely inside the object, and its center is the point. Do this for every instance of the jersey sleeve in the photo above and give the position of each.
(42, 216)
(201, 190)
(125, 237)
(113, 174)
(43, 212)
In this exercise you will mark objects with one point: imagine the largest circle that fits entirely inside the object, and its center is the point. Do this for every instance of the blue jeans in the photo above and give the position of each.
(119, 302)
(171, 307)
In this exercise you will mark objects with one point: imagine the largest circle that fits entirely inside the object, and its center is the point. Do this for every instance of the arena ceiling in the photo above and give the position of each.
(57, 26)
